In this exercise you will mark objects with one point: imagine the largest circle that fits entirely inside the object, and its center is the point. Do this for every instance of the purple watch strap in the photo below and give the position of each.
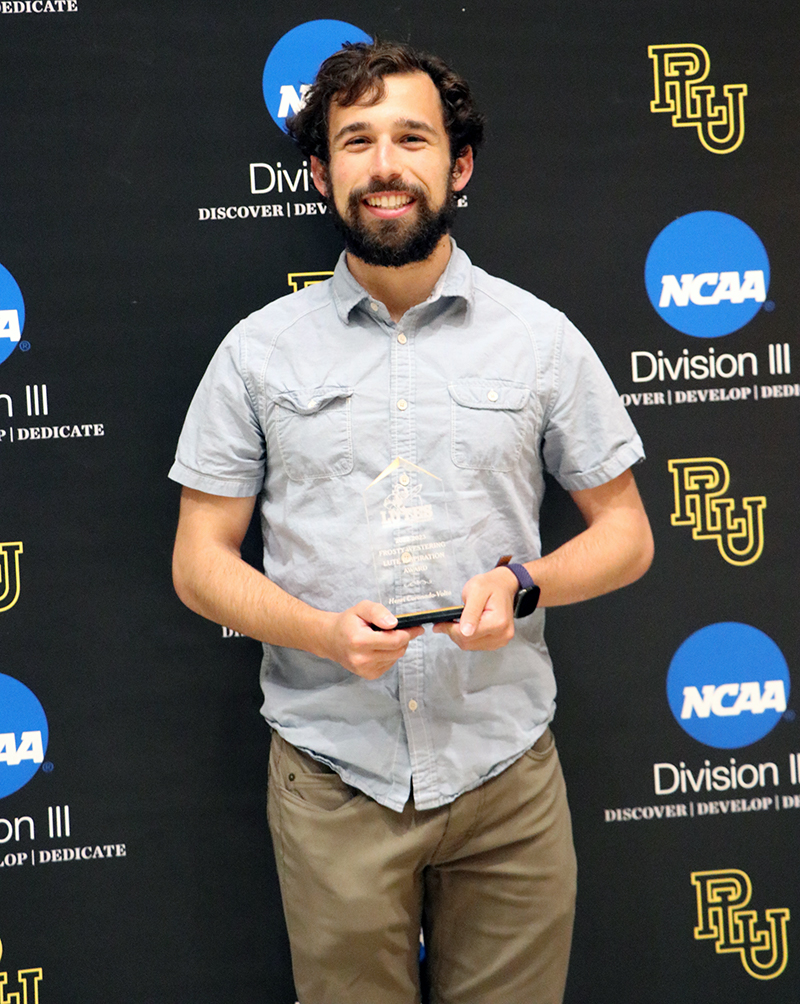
(522, 574)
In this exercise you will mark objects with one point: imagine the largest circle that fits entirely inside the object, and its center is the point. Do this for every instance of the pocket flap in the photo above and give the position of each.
(497, 395)
(310, 400)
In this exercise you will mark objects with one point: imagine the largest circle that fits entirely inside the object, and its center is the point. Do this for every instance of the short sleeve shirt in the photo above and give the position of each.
(306, 402)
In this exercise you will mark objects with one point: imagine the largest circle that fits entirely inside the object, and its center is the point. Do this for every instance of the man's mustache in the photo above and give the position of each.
(394, 185)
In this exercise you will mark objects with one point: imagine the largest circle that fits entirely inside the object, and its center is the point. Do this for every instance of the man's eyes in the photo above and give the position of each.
(361, 141)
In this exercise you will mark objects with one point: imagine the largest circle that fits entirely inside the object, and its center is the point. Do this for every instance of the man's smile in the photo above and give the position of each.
(388, 205)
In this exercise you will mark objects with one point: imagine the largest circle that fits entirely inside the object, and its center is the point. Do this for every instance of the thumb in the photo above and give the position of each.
(377, 614)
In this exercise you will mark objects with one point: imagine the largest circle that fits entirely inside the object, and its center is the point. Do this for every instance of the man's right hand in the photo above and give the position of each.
(355, 644)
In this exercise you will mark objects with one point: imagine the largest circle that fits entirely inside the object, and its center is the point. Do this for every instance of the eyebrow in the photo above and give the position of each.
(415, 124)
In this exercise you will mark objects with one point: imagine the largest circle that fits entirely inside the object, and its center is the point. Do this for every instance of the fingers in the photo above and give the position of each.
(487, 622)
(476, 597)
(364, 651)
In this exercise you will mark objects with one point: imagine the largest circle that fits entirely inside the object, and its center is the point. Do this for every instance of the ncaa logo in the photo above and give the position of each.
(707, 274)
(293, 63)
(12, 314)
(728, 685)
(23, 735)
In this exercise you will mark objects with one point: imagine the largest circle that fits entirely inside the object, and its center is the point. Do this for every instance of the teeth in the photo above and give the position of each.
(388, 201)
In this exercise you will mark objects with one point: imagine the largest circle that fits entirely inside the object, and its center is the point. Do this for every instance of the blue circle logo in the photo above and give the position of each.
(295, 59)
(728, 685)
(23, 735)
(707, 274)
(12, 314)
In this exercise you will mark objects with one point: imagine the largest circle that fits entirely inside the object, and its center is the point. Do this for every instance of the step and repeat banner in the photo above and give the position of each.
(640, 174)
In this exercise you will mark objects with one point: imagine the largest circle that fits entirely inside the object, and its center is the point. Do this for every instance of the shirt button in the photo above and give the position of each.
(402, 338)
(492, 395)
(374, 306)
(312, 403)
(402, 404)
(404, 479)
(412, 705)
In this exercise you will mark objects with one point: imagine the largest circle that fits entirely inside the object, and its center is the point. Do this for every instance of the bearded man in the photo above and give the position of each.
(413, 774)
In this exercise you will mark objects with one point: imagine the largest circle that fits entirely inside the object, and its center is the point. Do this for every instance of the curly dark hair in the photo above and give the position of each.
(358, 68)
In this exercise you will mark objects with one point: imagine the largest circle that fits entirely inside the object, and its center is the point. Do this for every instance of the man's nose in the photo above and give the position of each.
(385, 161)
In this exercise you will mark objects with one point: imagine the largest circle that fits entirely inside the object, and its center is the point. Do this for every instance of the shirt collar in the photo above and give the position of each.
(455, 281)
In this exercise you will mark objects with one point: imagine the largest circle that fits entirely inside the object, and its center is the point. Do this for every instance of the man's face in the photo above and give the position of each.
(390, 180)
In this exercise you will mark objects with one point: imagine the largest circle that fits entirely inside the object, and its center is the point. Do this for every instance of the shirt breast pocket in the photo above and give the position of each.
(488, 422)
(314, 433)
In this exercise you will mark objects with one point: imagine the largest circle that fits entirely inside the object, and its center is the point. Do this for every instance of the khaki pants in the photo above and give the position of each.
(491, 877)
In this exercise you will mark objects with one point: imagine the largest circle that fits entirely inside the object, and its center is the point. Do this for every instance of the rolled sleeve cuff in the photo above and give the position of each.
(625, 457)
(230, 487)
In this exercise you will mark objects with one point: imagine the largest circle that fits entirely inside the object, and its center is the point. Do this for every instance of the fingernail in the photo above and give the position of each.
(467, 629)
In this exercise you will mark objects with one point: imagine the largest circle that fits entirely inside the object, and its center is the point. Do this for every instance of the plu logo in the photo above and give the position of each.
(728, 685)
(679, 78)
(23, 735)
(723, 896)
(707, 274)
(12, 314)
(295, 59)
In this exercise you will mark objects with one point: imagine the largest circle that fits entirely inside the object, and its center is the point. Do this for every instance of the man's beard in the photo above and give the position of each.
(394, 243)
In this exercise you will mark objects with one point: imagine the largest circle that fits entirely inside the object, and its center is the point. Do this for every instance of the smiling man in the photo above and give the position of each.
(413, 775)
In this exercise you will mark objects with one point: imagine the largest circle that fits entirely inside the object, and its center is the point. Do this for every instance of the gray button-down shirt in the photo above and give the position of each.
(308, 400)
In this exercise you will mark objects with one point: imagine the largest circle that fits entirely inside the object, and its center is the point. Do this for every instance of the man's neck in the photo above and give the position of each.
(404, 287)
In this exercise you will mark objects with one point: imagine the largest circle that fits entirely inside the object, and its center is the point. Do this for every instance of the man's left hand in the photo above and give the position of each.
(487, 622)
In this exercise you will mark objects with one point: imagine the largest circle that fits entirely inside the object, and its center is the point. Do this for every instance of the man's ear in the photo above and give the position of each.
(319, 172)
(462, 169)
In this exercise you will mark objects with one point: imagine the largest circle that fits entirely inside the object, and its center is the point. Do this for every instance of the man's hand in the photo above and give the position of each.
(355, 644)
(487, 622)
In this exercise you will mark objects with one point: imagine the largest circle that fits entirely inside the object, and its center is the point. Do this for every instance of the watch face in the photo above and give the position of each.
(526, 601)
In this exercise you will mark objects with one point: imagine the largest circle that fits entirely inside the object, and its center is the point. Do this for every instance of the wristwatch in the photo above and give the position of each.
(528, 593)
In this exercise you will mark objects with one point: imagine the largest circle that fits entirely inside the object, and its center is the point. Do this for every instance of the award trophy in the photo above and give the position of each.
(411, 547)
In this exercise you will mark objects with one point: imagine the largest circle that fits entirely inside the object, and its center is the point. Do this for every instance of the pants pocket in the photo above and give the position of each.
(299, 777)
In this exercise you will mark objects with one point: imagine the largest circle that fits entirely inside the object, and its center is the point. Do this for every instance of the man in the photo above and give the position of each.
(413, 776)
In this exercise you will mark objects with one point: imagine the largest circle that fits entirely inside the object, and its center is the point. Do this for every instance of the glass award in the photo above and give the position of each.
(411, 545)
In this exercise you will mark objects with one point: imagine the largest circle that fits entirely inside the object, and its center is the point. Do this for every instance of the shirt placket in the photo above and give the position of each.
(402, 405)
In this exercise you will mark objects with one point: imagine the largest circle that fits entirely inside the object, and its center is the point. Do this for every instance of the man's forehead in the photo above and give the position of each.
(420, 96)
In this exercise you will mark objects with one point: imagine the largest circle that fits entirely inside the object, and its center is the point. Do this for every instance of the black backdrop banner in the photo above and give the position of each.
(640, 174)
